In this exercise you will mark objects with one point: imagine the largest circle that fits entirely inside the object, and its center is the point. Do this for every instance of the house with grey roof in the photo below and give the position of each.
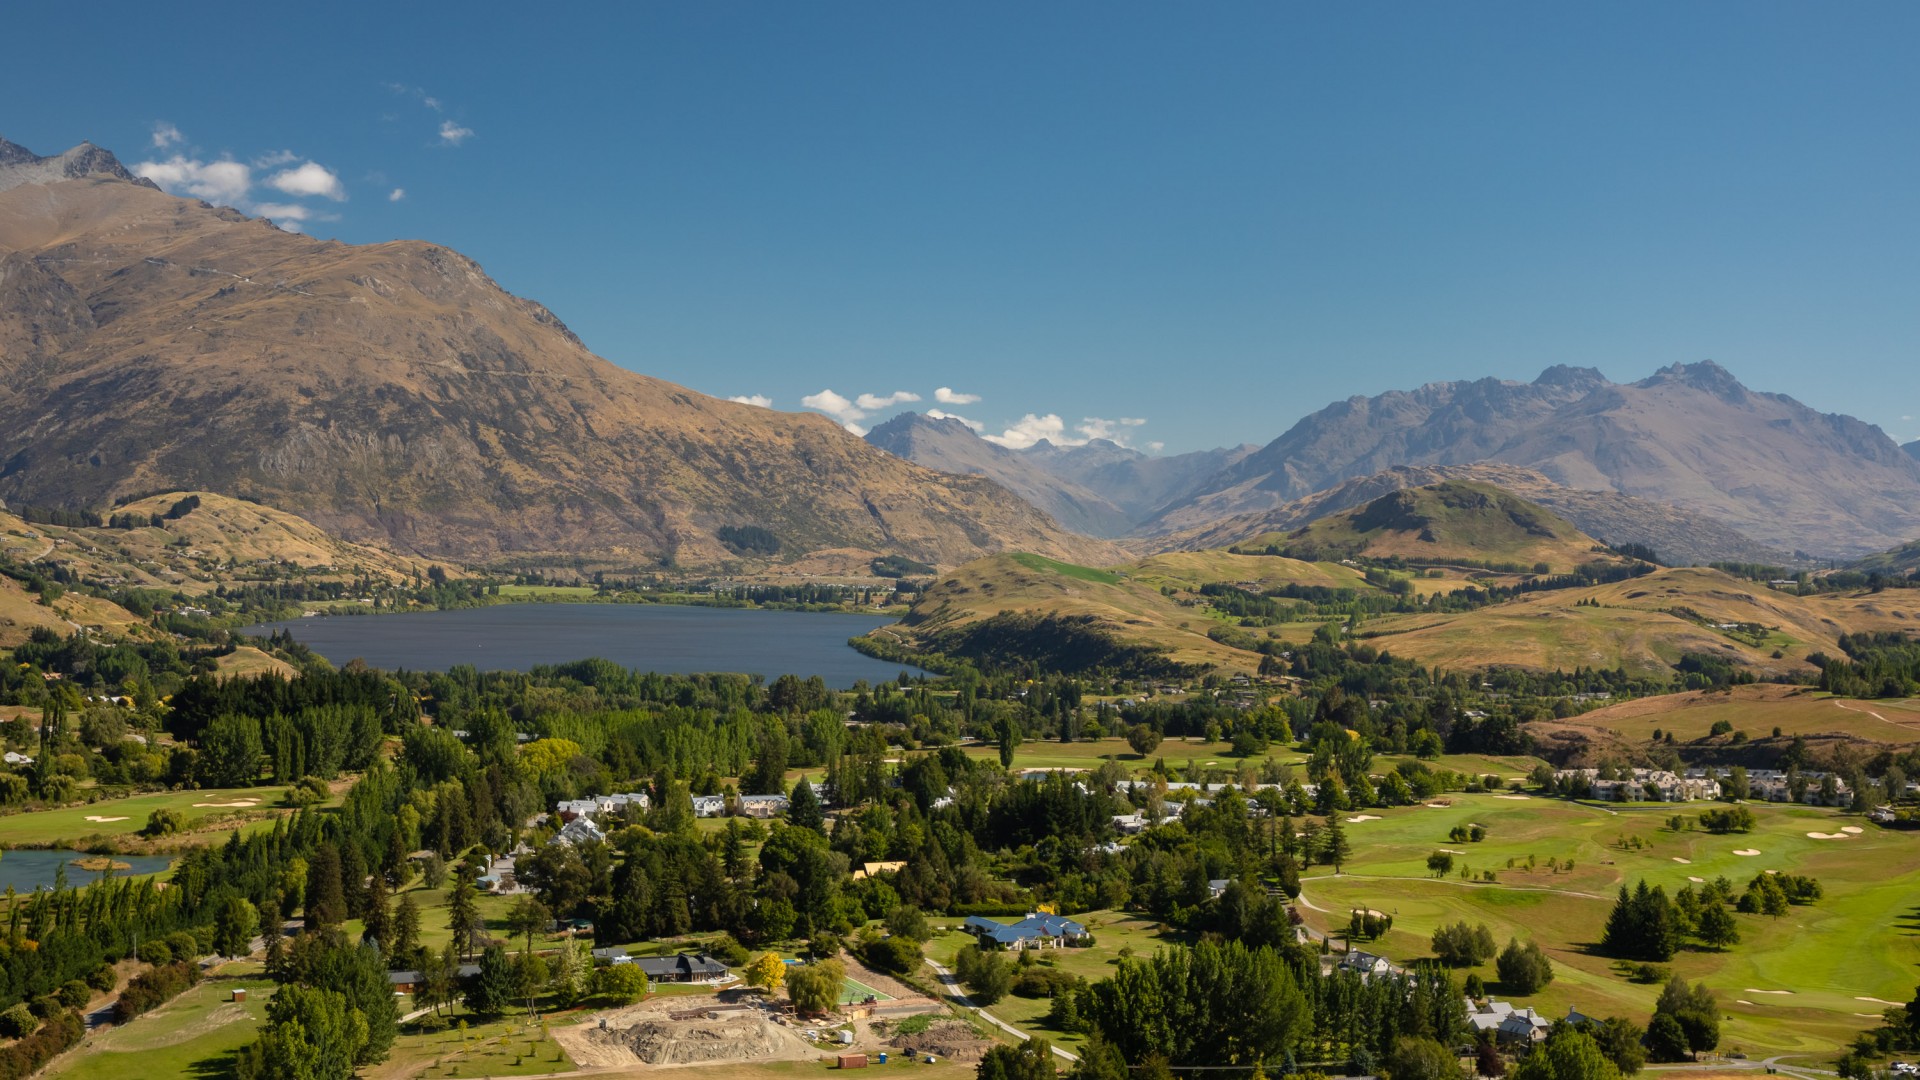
(1039, 930)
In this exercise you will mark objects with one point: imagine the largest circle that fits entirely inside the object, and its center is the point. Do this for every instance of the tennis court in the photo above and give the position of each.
(852, 991)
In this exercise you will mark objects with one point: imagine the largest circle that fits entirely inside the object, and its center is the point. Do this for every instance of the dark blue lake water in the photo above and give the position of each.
(29, 870)
(647, 637)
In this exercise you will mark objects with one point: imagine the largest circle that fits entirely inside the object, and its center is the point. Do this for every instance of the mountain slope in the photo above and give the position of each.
(1913, 449)
(392, 392)
(1455, 521)
(1690, 435)
(950, 446)
(1679, 536)
(1139, 484)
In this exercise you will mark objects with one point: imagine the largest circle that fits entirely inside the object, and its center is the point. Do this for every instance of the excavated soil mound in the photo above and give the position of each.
(649, 1035)
(949, 1039)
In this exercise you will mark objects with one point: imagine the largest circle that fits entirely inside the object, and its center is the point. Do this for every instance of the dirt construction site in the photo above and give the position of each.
(676, 1031)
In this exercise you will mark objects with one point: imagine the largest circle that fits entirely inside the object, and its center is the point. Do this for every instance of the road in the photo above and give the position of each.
(951, 983)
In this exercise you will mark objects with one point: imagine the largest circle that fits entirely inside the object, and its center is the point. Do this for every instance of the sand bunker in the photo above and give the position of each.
(1828, 836)
(1358, 818)
(1439, 805)
(1513, 796)
(1751, 990)
(1747, 851)
(1696, 880)
(1854, 829)
(1452, 851)
(1742, 1001)
(236, 802)
(103, 820)
(1678, 859)
(1878, 1001)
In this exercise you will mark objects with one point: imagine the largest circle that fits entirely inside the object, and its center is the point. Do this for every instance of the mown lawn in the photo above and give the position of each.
(129, 815)
(192, 1036)
(1794, 984)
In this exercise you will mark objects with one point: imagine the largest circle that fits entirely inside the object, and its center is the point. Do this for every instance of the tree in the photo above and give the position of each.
(1620, 1039)
(493, 991)
(572, 973)
(907, 921)
(1440, 864)
(1460, 945)
(622, 984)
(803, 807)
(1486, 1057)
(767, 972)
(326, 896)
(1335, 847)
(230, 751)
(1716, 926)
(406, 930)
(530, 974)
(815, 988)
(233, 927)
(1642, 926)
(1030, 1060)
(311, 1034)
(1099, 1060)
(1568, 1054)
(1143, 739)
(1212, 1004)
(1009, 739)
(986, 975)
(1523, 969)
(1417, 1058)
(463, 912)
(1666, 1039)
(1694, 1010)
(528, 917)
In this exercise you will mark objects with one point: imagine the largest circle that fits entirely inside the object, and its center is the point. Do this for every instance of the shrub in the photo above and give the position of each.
(155, 988)
(26, 1057)
(1523, 969)
(74, 993)
(155, 952)
(103, 977)
(164, 822)
(18, 1022)
(898, 955)
(730, 952)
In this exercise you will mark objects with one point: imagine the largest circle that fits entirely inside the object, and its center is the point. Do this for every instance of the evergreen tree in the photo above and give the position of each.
(803, 807)
(493, 991)
(326, 898)
(406, 932)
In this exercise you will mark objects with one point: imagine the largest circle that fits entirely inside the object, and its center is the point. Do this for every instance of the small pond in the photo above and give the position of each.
(27, 870)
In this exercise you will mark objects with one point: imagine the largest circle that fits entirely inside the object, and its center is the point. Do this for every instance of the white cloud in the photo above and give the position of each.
(396, 194)
(165, 135)
(1093, 427)
(875, 402)
(761, 400)
(834, 405)
(1031, 429)
(309, 179)
(223, 182)
(453, 134)
(1156, 446)
(947, 395)
(277, 157)
(939, 414)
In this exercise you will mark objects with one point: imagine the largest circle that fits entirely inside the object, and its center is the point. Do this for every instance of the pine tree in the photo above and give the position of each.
(406, 930)
(803, 808)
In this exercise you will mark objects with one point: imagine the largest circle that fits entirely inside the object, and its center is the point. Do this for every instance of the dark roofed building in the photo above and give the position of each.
(684, 968)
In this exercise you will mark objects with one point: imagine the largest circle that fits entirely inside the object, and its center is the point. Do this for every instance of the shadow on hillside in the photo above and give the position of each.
(1910, 922)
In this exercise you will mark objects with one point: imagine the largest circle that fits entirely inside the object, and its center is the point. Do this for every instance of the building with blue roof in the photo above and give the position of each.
(1038, 930)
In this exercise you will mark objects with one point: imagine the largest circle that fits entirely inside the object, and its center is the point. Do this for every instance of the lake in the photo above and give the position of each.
(26, 871)
(666, 638)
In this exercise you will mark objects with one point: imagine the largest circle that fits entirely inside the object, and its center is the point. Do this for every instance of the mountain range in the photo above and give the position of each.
(1099, 488)
(1688, 436)
(394, 393)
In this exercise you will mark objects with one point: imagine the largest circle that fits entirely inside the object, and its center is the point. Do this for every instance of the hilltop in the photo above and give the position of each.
(392, 393)
(1456, 521)
(1689, 435)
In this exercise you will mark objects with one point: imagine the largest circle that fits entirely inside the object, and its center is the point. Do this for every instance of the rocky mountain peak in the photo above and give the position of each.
(19, 165)
(1571, 377)
(1705, 376)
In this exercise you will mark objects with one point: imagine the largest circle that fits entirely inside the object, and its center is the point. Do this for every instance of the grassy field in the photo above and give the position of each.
(1065, 569)
(510, 1046)
(1177, 753)
(1800, 983)
(1757, 710)
(548, 592)
(44, 827)
(193, 1035)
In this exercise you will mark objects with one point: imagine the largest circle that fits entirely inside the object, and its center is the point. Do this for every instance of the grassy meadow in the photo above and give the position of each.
(1801, 983)
(120, 817)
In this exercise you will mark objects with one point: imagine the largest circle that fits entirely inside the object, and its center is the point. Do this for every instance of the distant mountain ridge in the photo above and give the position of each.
(1679, 536)
(1913, 448)
(1688, 436)
(394, 393)
(1099, 488)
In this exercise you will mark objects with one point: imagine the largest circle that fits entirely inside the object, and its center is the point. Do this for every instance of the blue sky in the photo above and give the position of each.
(1209, 218)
